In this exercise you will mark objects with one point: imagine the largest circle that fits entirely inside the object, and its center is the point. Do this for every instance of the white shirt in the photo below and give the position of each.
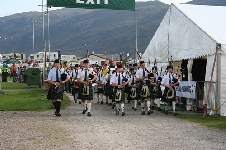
(131, 79)
(115, 77)
(52, 74)
(139, 73)
(100, 77)
(81, 73)
(168, 77)
(73, 73)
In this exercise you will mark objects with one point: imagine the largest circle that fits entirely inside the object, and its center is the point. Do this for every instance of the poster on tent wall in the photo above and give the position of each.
(94, 4)
(186, 89)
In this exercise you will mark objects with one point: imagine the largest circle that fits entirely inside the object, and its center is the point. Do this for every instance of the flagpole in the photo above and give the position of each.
(136, 50)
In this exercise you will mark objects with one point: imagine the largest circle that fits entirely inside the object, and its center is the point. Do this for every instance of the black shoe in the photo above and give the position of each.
(123, 113)
(84, 111)
(159, 109)
(89, 114)
(152, 107)
(175, 114)
(98, 102)
(149, 112)
(80, 102)
(132, 107)
(75, 101)
(106, 102)
(139, 103)
(143, 113)
(135, 109)
(113, 106)
(57, 114)
(101, 102)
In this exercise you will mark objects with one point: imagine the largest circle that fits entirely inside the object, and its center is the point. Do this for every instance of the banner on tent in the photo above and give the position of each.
(186, 89)
(94, 4)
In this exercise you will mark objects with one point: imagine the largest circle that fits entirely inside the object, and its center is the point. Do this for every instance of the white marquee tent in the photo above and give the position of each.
(193, 31)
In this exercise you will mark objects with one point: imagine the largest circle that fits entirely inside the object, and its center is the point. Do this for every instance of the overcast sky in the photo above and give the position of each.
(9, 7)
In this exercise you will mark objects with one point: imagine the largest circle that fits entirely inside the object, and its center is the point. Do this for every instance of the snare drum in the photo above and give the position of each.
(95, 88)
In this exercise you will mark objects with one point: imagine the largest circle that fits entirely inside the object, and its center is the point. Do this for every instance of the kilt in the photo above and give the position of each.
(140, 90)
(108, 91)
(123, 95)
(169, 96)
(85, 97)
(54, 93)
(155, 92)
(100, 88)
(130, 92)
(75, 87)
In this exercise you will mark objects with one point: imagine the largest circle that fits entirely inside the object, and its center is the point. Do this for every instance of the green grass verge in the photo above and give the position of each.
(19, 97)
(210, 121)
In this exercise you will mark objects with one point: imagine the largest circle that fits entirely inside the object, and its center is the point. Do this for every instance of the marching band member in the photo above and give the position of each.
(108, 86)
(85, 78)
(170, 81)
(100, 85)
(132, 95)
(142, 77)
(118, 81)
(157, 88)
(56, 81)
(75, 83)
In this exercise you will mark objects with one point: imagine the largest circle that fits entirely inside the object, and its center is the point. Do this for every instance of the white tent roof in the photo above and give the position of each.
(212, 19)
(188, 31)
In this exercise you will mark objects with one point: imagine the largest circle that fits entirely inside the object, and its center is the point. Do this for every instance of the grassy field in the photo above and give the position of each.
(210, 121)
(20, 97)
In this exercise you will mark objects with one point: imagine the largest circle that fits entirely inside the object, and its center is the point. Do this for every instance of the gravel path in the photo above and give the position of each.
(104, 131)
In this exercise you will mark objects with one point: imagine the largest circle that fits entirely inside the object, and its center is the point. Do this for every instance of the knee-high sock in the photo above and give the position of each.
(135, 103)
(101, 97)
(142, 105)
(174, 106)
(89, 105)
(84, 104)
(76, 96)
(158, 102)
(117, 105)
(148, 104)
(122, 107)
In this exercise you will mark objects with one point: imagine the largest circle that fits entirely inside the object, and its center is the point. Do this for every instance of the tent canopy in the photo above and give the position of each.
(186, 32)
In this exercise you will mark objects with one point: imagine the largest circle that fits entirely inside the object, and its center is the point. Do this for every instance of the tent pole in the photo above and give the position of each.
(169, 33)
(218, 79)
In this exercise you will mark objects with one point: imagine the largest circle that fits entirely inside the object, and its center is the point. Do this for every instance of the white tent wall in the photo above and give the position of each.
(223, 82)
